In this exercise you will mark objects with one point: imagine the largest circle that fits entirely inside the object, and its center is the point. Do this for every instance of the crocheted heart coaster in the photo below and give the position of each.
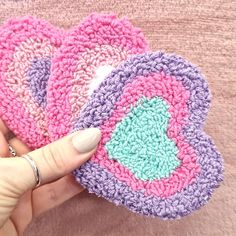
(26, 48)
(88, 54)
(154, 157)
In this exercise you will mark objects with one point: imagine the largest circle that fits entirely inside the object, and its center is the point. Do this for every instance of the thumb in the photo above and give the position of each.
(53, 161)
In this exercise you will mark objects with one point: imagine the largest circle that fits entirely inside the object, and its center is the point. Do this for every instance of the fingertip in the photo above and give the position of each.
(86, 140)
(73, 185)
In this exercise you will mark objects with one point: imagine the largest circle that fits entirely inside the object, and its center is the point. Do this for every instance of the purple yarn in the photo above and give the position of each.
(101, 106)
(38, 75)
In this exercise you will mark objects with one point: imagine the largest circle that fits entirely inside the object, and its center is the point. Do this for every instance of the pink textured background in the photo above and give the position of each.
(203, 32)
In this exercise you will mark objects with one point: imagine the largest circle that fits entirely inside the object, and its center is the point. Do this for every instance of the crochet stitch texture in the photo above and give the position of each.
(190, 185)
(154, 157)
(31, 50)
(27, 45)
(140, 142)
(100, 40)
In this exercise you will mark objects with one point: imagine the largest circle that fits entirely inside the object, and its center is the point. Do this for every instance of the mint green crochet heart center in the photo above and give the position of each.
(140, 142)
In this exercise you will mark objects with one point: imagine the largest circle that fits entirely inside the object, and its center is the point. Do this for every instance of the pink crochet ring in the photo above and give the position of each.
(26, 48)
(88, 54)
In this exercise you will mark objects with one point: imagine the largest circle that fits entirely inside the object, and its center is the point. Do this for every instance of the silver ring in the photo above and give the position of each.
(12, 150)
(35, 169)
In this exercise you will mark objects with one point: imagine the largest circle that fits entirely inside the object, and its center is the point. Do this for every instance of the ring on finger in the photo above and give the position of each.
(12, 150)
(35, 169)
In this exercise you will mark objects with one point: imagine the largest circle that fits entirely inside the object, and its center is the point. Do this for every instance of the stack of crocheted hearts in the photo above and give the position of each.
(154, 156)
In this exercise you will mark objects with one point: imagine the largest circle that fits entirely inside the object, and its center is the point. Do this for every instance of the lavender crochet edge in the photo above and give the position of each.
(101, 182)
(38, 76)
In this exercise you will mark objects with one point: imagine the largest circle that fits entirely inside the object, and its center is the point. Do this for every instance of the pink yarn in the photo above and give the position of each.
(99, 40)
(176, 96)
(21, 41)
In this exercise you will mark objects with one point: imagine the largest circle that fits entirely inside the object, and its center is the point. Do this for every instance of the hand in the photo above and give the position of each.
(19, 202)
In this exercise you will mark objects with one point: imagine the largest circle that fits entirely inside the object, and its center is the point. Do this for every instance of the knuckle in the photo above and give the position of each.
(53, 194)
(53, 156)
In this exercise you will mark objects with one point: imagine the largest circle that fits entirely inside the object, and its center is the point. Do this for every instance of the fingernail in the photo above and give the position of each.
(86, 140)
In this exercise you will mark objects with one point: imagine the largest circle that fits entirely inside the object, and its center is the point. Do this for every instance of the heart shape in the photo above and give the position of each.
(140, 142)
(26, 48)
(178, 83)
(99, 43)
(154, 156)
(40, 65)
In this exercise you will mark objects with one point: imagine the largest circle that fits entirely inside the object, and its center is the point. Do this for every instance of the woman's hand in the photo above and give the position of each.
(19, 202)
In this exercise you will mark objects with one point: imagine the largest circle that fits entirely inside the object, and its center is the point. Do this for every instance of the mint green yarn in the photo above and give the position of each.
(140, 143)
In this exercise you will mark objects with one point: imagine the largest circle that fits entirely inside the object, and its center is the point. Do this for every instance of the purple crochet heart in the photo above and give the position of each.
(126, 93)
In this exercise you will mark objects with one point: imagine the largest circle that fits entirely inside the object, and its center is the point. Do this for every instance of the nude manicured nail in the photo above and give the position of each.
(86, 140)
